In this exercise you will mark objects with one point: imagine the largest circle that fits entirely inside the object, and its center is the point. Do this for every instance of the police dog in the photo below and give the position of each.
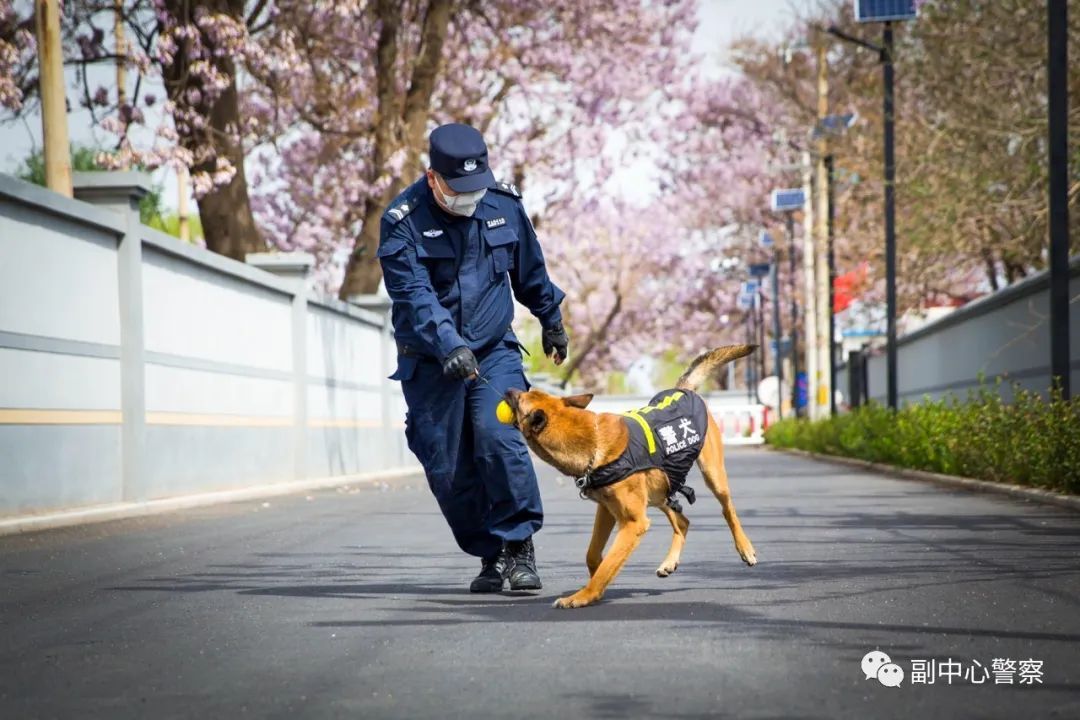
(575, 441)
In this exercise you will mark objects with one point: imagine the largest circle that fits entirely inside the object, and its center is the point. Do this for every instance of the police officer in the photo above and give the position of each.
(453, 246)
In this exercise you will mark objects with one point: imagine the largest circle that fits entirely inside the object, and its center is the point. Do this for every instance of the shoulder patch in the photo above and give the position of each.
(398, 212)
(508, 188)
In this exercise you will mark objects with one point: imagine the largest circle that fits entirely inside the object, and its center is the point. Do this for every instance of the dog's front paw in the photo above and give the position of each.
(666, 569)
(749, 556)
(577, 600)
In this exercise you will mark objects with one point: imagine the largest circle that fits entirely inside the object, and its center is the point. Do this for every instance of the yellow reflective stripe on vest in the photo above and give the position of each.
(644, 426)
(662, 405)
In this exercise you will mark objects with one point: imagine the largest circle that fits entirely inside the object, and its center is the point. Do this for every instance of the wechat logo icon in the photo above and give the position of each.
(876, 664)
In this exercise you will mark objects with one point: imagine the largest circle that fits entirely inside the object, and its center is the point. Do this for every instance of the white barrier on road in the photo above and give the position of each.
(742, 423)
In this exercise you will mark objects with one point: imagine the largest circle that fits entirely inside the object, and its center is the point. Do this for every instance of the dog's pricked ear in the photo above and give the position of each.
(537, 420)
(578, 401)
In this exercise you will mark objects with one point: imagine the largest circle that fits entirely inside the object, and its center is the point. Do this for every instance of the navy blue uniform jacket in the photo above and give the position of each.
(451, 277)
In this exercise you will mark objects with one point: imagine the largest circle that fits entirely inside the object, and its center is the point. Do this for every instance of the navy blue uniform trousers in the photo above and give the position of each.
(478, 468)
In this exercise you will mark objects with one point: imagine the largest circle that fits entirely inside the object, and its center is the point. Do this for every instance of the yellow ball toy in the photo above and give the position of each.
(504, 413)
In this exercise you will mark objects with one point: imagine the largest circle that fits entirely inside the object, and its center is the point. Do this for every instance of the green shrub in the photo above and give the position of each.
(1028, 441)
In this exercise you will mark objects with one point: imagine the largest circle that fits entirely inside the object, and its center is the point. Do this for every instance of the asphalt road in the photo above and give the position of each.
(352, 603)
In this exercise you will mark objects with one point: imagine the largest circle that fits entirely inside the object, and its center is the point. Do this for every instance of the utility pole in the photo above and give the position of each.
(809, 296)
(53, 100)
(1058, 91)
(821, 237)
(121, 53)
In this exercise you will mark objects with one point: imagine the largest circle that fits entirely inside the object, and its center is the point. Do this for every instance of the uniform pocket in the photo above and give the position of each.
(502, 242)
(437, 255)
(513, 344)
(406, 367)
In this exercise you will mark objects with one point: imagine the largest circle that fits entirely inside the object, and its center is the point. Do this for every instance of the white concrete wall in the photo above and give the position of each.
(1002, 335)
(59, 357)
(222, 346)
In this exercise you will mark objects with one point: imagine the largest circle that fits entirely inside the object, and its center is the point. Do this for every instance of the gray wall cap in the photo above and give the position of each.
(291, 264)
(116, 191)
(371, 301)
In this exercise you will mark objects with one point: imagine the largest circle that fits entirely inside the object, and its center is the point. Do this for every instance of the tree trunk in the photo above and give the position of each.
(228, 224)
(590, 344)
(227, 220)
(397, 124)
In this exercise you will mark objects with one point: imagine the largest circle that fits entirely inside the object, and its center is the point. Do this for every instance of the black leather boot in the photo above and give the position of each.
(493, 572)
(522, 559)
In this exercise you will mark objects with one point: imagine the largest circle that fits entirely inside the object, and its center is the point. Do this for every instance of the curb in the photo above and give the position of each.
(120, 511)
(1046, 497)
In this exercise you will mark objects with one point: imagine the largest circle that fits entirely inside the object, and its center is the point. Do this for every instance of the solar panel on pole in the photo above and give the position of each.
(787, 199)
(883, 10)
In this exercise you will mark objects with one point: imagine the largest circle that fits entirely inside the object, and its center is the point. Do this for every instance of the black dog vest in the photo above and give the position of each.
(667, 434)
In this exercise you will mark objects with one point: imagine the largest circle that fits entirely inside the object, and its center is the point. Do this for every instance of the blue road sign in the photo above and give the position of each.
(759, 270)
(788, 199)
(766, 239)
(882, 10)
(749, 287)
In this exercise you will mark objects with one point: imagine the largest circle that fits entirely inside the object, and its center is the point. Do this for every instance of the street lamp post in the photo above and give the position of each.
(830, 171)
(749, 362)
(786, 201)
(747, 302)
(890, 215)
(794, 317)
(1058, 90)
(757, 272)
(778, 363)
(885, 12)
(759, 305)
(774, 280)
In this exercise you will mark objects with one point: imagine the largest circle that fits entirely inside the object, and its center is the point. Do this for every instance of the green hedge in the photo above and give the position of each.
(1029, 441)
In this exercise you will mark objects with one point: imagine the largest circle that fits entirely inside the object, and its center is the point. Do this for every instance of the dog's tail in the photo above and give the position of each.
(708, 363)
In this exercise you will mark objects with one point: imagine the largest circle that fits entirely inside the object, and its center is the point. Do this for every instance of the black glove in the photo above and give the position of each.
(555, 339)
(460, 364)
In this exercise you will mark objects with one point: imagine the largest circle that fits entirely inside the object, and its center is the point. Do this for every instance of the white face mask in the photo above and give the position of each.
(463, 204)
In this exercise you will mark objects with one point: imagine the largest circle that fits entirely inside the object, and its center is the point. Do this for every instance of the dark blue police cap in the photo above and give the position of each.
(459, 155)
